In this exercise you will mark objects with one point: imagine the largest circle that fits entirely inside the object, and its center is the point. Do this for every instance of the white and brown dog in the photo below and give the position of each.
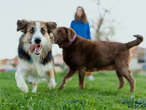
(34, 52)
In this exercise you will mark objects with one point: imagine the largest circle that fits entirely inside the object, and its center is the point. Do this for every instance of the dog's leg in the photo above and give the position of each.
(81, 79)
(20, 81)
(122, 66)
(52, 82)
(121, 79)
(68, 76)
(34, 87)
(127, 74)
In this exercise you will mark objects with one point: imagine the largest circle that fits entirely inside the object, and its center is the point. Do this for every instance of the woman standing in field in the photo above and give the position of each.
(81, 26)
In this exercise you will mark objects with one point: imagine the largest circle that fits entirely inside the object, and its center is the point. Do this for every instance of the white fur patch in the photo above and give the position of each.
(37, 33)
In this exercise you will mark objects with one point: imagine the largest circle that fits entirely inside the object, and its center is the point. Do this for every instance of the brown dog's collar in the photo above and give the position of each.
(74, 38)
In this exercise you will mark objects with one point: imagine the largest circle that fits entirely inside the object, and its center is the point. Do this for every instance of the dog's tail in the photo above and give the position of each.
(135, 42)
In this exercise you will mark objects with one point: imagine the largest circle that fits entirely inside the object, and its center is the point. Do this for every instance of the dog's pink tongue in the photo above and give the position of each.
(32, 48)
(38, 48)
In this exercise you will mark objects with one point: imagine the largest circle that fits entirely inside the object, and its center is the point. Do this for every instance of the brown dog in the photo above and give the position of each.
(85, 56)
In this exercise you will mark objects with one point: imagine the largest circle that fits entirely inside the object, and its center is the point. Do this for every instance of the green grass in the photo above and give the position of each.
(100, 94)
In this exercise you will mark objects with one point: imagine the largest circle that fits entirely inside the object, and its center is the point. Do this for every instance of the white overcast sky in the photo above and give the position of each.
(128, 14)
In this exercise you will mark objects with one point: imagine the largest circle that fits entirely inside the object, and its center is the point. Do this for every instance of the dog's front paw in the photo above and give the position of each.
(34, 90)
(22, 87)
(25, 90)
(52, 83)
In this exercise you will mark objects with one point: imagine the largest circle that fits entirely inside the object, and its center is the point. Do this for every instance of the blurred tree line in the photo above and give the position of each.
(104, 27)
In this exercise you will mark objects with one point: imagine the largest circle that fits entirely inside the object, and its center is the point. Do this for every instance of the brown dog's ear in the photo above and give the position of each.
(51, 26)
(70, 34)
(22, 25)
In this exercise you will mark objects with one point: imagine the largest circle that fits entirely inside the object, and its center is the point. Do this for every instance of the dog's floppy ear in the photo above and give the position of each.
(70, 34)
(22, 25)
(51, 26)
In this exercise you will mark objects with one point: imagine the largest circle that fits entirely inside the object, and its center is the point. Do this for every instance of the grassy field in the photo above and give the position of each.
(100, 94)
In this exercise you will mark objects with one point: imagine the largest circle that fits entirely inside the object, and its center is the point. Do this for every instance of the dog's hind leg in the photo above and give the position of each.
(121, 79)
(122, 66)
(34, 87)
(68, 76)
(20, 81)
(81, 79)
(127, 74)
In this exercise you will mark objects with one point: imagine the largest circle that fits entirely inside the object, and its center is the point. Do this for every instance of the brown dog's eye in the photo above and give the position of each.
(32, 30)
(43, 31)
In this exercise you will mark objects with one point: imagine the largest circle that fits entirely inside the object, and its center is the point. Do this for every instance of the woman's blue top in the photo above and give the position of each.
(81, 29)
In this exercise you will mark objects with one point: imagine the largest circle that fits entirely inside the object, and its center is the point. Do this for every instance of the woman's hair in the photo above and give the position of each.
(83, 17)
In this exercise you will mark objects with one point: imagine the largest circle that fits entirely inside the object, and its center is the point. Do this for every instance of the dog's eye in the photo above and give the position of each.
(32, 30)
(43, 31)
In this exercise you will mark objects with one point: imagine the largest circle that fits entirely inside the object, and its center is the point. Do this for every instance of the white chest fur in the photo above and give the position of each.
(35, 69)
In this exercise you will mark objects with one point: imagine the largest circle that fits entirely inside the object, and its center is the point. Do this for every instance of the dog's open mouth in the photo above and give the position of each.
(36, 48)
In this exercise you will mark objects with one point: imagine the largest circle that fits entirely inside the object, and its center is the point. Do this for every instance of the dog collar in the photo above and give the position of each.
(74, 38)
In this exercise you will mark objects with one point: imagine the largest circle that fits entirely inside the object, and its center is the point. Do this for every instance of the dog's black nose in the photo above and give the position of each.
(37, 40)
